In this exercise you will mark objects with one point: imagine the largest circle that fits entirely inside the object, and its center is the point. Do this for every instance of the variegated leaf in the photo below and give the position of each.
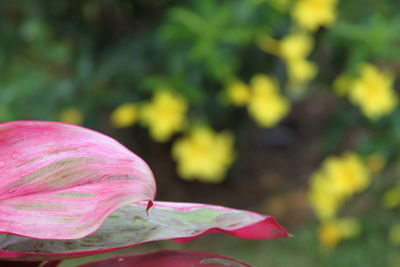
(60, 181)
(170, 258)
(130, 225)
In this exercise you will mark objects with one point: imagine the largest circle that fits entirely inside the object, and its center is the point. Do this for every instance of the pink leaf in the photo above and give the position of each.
(170, 259)
(60, 181)
(28, 264)
(130, 225)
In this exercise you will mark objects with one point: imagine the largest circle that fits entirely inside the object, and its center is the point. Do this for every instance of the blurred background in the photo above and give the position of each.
(285, 107)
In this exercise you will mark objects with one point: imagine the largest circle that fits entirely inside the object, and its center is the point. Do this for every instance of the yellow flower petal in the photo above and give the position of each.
(347, 175)
(323, 198)
(330, 233)
(337, 180)
(301, 71)
(266, 105)
(124, 115)
(373, 92)
(295, 46)
(164, 114)
(311, 14)
(239, 93)
(204, 155)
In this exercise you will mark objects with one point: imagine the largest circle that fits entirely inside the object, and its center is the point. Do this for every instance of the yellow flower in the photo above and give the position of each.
(338, 179)
(329, 234)
(295, 46)
(164, 114)
(394, 234)
(332, 232)
(239, 93)
(323, 198)
(204, 154)
(347, 175)
(301, 71)
(293, 49)
(311, 14)
(266, 105)
(71, 115)
(124, 115)
(373, 92)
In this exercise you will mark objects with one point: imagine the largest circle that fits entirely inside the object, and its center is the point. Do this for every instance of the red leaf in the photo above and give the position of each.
(28, 264)
(170, 259)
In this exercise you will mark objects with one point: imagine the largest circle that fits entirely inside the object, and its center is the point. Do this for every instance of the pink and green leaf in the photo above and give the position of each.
(67, 191)
(59, 181)
(170, 259)
(130, 225)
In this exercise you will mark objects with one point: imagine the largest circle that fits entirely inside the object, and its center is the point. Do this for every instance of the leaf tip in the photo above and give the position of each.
(149, 205)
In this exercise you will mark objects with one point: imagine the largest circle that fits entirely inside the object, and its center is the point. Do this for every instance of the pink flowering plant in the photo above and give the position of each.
(67, 191)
